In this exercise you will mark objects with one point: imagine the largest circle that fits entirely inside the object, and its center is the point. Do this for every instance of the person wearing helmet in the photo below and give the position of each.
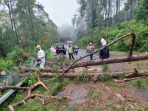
(90, 50)
(40, 57)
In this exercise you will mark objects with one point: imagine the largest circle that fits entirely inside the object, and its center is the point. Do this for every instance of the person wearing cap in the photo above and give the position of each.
(104, 53)
(90, 50)
(40, 57)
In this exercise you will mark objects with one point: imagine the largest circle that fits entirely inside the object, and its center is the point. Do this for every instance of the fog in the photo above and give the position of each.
(66, 32)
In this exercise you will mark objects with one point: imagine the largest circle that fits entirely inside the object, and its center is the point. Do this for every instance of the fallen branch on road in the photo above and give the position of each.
(111, 61)
(31, 95)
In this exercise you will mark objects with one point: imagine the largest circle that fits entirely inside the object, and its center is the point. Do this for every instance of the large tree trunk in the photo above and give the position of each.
(111, 61)
(10, 5)
(117, 10)
(96, 76)
(93, 63)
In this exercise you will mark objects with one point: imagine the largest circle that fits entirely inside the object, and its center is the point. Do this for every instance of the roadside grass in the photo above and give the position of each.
(14, 98)
(82, 77)
(121, 53)
(140, 83)
(127, 106)
(105, 77)
(118, 53)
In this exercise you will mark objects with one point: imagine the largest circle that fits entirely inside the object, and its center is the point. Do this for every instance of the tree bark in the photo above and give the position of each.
(97, 76)
(111, 61)
(43, 70)
(94, 63)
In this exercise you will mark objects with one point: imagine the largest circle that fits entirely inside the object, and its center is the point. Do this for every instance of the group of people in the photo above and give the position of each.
(61, 50)
(72, 50)
(104, 52)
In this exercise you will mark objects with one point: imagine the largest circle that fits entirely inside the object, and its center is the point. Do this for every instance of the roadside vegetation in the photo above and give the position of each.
(102, 23)
(112, 33)
(26, 24)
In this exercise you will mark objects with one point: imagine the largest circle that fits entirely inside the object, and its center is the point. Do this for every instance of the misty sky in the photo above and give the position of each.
(60, 11)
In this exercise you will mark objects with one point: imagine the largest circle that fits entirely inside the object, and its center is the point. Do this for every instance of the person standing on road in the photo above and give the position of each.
(64, 50)
(104, 53)
(90, 50)
(70, 52)
(40, 57)
(76, 49)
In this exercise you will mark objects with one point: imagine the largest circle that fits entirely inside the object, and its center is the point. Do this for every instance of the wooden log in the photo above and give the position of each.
(42, 70)
(91, 75)
(111, 61)
(94, 63)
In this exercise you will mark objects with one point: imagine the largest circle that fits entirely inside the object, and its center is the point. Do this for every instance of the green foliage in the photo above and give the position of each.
(33, 105)
(116, 31)
(142, 11)
(14, 98)
(105, 68)
(57, 87)
(31, 79)
(57, 78)
(18, 55)
(115, 85)
(140, 83)
(82, 77)
(49, 57)
(106, 78)
(6, 65)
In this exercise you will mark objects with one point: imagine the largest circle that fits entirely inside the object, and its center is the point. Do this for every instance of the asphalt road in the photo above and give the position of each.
(82, 53)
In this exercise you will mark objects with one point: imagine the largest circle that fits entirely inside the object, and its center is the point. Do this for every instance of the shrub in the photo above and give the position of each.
(19, 55)
(140, 83)
(6, 65)
(57, 87)
(49, 57)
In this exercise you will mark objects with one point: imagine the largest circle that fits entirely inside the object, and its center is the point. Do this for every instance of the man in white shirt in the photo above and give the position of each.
(40, 57)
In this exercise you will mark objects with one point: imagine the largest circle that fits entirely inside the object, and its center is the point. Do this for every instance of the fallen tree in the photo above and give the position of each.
(42, 70)
(92, 76)
(94, 63)
(111, 61)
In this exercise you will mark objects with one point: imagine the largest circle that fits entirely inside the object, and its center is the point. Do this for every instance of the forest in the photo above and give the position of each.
(111, 19)
(37, 75)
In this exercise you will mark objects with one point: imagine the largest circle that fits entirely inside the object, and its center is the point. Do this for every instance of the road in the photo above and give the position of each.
(118, 67)
(82, 53)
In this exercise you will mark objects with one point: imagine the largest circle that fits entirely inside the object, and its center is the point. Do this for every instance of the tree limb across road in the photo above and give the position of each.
(111, 61)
